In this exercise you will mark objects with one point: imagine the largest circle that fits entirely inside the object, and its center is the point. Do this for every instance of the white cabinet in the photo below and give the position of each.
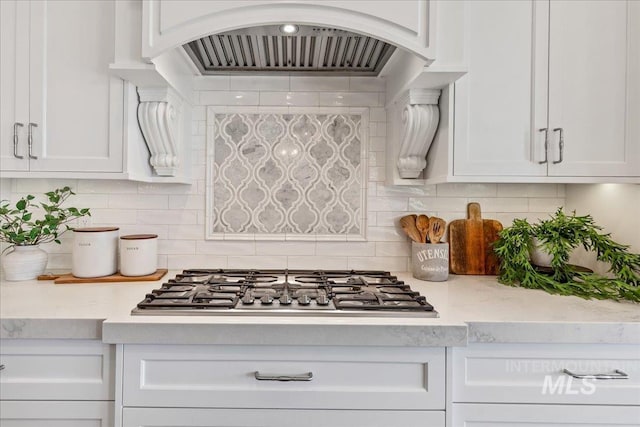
(56, 85)
(278, 386)
(539, 71)
(56, 383)
(545, 384)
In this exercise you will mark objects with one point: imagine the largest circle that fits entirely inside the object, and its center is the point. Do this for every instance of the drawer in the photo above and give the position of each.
(56, 370)
(170, 417)
(534, 373)
(341, 377)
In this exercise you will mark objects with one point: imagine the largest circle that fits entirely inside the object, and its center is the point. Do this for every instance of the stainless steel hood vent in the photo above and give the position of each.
(311, 50)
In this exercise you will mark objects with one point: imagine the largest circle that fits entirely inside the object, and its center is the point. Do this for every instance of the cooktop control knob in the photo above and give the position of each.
(304, 300)
(247, 299)
(285, 300)
(322, 300)
(267, 299)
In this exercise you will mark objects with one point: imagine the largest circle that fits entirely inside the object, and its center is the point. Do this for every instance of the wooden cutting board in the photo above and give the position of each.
(471, 243)
(69, 278)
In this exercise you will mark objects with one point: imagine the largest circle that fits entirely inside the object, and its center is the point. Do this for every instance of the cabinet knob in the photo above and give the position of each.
(30, 140)
(15, 140)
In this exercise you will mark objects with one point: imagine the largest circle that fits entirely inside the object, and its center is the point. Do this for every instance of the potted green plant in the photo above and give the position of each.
(24, 231)
(558, 237)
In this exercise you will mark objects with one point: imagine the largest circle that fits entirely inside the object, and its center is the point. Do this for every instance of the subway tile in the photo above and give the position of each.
(527, 190)
(502, 204)
(198, 113)
(179, 262)
(264, 261)
(345, 248)
(349, 99)
(540, 204)
(406, 191)
(466, 190)
(285, 248)
(152, 188)
(386, 234)
(103, 186)
(315, 262)
(201, 83)
(58, 262)
(254, 83)
(176, 247)
(110, 217)
(367, 84)
(41, 186)
(289, 98)
(376, 204)
(378, 114)
(166, 217)
(393, 249)
(226, 247)
(421, 204)
(138, 201)
(229, 98)
(377, 173)
(319, 83)
(84, 200)
(186, 232)
(189, 201)
(378, 263)
(562, 190)
(377, 143)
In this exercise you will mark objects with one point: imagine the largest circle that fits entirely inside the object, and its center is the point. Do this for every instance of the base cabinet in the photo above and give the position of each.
(485, 415)
(56, 414)
(171, 417)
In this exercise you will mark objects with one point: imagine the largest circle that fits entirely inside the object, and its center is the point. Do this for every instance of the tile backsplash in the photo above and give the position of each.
(286, 176)
(177, 212)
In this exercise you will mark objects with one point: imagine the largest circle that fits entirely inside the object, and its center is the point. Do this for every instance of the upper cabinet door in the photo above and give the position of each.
(73, 99)
(14, 84)
(594, 88)
(501, 104)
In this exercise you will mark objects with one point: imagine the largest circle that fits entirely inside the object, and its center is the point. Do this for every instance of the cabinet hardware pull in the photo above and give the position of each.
(617, 375)
(15, 140)
(546, 144)
(1, 367)
(30, 140)
(270, 377)
(561, 144)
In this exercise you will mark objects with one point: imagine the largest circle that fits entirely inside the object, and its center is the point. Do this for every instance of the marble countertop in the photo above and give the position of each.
(471, 309)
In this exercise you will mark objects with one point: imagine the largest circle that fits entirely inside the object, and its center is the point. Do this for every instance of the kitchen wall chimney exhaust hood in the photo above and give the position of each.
(311, 50)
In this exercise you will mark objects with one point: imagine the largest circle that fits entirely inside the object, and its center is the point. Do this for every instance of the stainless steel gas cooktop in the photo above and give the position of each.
(285, 293)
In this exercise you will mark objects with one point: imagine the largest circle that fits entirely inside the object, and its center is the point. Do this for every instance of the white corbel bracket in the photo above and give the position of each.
(160, 117)
(420, 117)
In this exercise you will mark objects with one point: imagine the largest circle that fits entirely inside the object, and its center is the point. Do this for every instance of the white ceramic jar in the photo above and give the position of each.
(95, 251)
(138, 254)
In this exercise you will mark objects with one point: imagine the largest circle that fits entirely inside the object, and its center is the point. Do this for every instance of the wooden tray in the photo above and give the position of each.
(70, 278)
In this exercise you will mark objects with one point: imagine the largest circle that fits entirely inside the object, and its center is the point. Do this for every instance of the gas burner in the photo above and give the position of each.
(285, 293)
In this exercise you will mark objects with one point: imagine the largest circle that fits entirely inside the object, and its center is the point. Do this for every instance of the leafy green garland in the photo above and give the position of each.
(559, 236)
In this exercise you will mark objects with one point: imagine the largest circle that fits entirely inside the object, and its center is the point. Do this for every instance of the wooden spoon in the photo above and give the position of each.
(436, 229)
(408, 224)
(422, 224)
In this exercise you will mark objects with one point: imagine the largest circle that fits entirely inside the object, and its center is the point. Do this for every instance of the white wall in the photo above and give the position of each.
(615, 207)
(176, 212)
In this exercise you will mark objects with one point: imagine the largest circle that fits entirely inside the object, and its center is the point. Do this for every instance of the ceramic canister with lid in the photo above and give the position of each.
(138, 254)
(95, 251)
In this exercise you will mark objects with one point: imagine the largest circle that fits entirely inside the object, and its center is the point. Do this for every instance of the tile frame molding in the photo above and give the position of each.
(363, 112)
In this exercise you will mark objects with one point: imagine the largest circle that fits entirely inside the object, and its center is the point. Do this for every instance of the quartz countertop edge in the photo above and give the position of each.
(472, 309)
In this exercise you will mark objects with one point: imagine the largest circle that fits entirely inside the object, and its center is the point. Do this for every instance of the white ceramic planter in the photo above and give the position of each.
(94, 252)
(24, 263)
(138, 254)
(538, 255)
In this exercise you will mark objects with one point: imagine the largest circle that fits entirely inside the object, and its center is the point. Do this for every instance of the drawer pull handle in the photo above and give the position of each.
(271, 377)
(1, 367)
(617, 375)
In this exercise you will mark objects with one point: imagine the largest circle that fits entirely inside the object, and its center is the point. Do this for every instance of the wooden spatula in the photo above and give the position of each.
(408, 224)
(437, 227)
(422, 224)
